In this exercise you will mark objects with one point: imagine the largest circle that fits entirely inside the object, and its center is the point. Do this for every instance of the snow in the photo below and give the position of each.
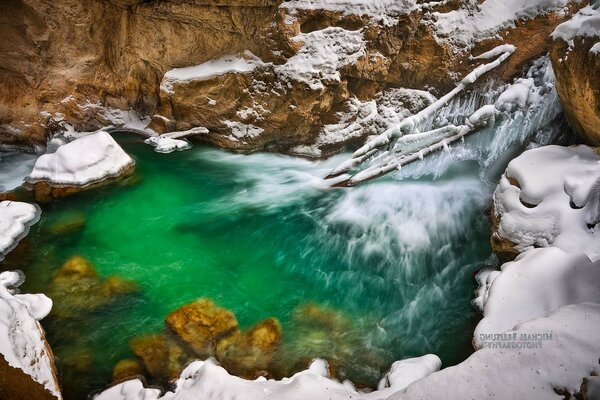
(172, 141)
(556, 202)
(586, 23)
(22, 340)
(15, 220)
(531, 371)
(464, 27)
(210, 69)
(84, 161)
(208, 381)
(383, 11)
(240, 130)
(536, 284)
(390, 149)
(322, 55)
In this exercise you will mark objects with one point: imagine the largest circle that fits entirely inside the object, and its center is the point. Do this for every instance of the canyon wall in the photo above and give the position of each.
(67, 60)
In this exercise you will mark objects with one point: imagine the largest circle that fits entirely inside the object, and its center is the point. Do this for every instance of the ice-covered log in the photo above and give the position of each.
(171, 141)
(404, 137)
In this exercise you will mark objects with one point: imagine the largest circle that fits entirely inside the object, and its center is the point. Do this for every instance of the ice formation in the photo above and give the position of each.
(87, 160)
(550, 196)
(15, 220)
(22, 341)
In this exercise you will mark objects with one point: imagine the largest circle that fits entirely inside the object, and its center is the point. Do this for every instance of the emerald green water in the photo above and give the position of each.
(261, 235)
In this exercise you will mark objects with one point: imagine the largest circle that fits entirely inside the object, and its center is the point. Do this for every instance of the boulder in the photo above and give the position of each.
(575, 55)
(126, 369)
(201, 323)
(76, 288)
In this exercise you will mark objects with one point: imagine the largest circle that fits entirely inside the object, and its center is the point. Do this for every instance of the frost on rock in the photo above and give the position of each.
(550, 196)
(15, 220)
(322, 55)
(84, 161)
(22, 342)
(208, 381)
(209, 69)
(471, 23)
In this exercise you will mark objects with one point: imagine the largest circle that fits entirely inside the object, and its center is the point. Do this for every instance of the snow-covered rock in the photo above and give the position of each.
(529, 362)
(472, 23)
(208, 381)
(550, 196)
(536, 284)
(22, 342)
(575, 53)
(84, 161)
(15, 220)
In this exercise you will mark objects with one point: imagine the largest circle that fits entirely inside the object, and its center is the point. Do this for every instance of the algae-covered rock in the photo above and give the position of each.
(162, 356)
(127, 368)
(201, 323)
(249, 353)
(67, 223)
(76, 288)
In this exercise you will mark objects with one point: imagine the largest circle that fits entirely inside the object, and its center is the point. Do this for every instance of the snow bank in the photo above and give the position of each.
(324, 52)
(536, 284)
(523, 368)
(22, 340)
(84, 161)
(15, 220)
(382, 11)
(550, 196)
(586, 23)
(208, 381)
(209, 69)
(465, 26)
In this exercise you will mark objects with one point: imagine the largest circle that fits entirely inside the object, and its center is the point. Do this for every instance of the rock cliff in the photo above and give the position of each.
(71, 60)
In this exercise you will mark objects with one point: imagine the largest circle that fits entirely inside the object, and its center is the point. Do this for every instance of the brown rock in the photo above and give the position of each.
(68, 223)
(125, 369)
(249, 354)
(201, 323)
(44, 191)
(161, 355)
(76, 288)
(17, 385)
(577, 71)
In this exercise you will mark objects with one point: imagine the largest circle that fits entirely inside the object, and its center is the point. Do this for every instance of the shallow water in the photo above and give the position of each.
(261, 235)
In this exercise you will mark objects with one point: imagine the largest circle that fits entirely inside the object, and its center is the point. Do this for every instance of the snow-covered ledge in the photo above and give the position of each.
(22, 342)
(15, 219)
(82, 163)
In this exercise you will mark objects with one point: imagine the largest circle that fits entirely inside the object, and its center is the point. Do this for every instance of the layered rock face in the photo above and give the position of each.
(66, 61)
(575, 54)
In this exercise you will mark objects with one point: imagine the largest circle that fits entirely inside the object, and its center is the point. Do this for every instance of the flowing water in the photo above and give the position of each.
(263, 236)
(260, 235)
